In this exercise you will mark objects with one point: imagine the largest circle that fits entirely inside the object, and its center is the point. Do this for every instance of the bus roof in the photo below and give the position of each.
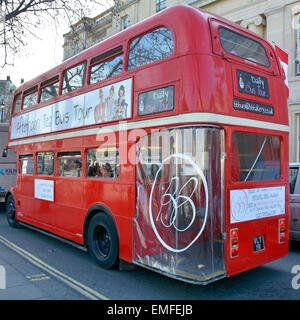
(181, 19)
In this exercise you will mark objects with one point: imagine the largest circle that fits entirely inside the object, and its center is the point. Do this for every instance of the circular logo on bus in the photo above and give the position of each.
(178, 210)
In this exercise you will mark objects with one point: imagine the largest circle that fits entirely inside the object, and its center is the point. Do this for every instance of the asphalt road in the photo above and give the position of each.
(63, 270)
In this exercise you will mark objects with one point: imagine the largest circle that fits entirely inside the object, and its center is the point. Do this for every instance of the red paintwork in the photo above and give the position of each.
(205, 81)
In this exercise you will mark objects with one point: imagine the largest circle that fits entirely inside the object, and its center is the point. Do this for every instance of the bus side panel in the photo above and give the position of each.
(119, 199)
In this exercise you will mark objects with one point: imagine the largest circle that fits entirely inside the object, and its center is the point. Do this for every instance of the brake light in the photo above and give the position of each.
(281, 230)
(234, 243)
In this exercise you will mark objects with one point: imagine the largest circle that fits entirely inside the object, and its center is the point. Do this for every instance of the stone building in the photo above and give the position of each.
(278, 21)
(6, 96)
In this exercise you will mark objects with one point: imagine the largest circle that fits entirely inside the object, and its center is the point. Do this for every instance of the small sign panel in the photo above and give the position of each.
(44, 189)
(254, 107)
(156, 101)
(252, 84)
(257, 203)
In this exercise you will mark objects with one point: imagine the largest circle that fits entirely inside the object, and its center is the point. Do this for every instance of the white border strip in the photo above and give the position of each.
(164, 121)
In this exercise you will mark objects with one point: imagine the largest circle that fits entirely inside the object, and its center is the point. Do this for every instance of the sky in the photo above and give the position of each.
(41, 53)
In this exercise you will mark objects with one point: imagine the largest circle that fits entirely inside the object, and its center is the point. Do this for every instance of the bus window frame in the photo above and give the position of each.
(29, 158)
(37, 98)
(48, 85)
(36, 164)
(217, 48)
(57, 158)
(244, 184)
(86, 62)
(91, 65)
(147, 65)
(242, 35)
(100, 178)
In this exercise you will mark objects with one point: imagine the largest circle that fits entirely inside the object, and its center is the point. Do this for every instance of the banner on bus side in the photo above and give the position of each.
(104, 104)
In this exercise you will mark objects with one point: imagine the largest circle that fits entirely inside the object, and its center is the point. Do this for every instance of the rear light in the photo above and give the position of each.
(234, 243)
(281, 230)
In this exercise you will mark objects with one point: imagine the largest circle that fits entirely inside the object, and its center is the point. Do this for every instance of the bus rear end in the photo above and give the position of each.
(257, 199)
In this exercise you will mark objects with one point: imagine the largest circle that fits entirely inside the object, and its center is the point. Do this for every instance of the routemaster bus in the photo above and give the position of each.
(164, 146)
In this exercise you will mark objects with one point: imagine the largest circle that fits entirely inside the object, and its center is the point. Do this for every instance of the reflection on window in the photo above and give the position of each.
(243, 47)
(103, 163)
(30, 100)
(107, 69)
(74, 78)
(293, 179)
(17, 105)
(151, 47)
(26, 164)
(45, 163)
(70, 164)
(49, 92)
(255, 157)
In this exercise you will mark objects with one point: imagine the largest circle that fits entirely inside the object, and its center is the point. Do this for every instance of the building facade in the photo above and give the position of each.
(6, 96)
(278, 21)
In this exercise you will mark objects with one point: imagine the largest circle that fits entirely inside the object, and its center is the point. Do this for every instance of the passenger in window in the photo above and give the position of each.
(99, 112)
(107, 170)
(98, 172)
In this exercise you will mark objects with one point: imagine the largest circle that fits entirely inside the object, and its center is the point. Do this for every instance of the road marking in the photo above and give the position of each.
(38, 277)
(74, 284)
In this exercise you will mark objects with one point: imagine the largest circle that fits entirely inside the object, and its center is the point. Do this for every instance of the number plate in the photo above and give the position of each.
(258, 243)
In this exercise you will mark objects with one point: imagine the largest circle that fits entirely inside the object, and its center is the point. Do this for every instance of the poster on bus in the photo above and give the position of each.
(109, 103)
(257, 203)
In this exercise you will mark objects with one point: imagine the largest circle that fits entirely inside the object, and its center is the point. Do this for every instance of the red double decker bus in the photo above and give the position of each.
(165, 146)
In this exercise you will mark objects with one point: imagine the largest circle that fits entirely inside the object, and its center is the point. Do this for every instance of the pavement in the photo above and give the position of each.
(22, 280)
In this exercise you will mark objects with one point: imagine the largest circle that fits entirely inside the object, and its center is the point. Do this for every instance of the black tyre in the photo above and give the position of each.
(10, 209)
(103, 241)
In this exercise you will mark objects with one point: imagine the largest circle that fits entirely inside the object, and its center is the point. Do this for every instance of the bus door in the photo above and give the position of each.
(179, 221)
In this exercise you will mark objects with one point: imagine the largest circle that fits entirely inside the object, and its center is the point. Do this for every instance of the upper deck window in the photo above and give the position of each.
(17, 105)
(243, 47)
(49, 89)
(30, 97)
(104, 68)
(150, 47)
(74, 78)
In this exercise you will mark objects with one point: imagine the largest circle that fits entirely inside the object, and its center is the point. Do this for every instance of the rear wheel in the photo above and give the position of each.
(103, 241)
(10, 209)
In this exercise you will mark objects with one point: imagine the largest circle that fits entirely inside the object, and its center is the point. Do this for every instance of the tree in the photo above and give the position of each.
(19, 18)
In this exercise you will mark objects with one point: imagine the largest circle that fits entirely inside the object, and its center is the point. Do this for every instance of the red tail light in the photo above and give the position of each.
(234, 243)
(281, 230)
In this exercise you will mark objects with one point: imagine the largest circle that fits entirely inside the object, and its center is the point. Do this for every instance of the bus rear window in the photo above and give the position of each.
(243, 47)
(255, 157)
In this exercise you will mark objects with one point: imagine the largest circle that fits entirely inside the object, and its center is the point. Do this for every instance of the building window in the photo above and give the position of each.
(160, 5)
(125, 22)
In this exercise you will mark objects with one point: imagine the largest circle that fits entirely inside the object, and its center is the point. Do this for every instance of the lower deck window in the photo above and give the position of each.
(26, 164)
(69, 164)
(45, 163)
(102, 163)
(255, 157)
